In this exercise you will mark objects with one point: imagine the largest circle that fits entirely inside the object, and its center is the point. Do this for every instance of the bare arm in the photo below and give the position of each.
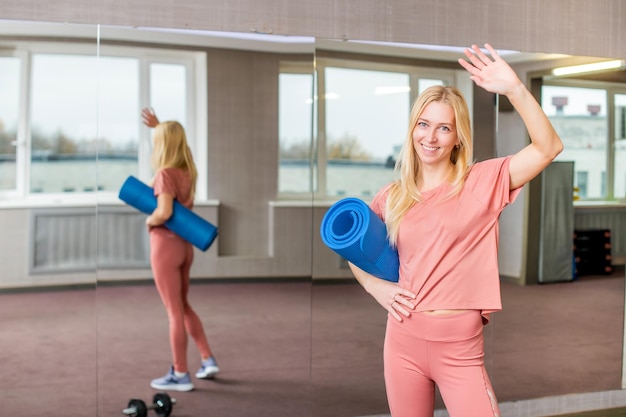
(496, 76)
(163, 211)
(395, 299)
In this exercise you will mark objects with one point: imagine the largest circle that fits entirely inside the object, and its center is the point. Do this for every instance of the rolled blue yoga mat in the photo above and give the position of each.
(184, 222)
(351, 229)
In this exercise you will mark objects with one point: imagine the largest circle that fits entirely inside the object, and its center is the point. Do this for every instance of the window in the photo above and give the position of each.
(366, 115)
(295, 129)
(619, 185)
(118, 123)
(9, 109)
(63, 127)
(362, 116)
(581, 184)
(82, 115)
(592, 134)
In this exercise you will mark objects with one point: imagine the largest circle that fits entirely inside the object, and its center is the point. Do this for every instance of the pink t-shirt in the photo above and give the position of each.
(175, 182)
(448, 248)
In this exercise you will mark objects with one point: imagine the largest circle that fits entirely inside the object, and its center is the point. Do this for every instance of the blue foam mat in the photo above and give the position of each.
(351, 229)
(184, 222)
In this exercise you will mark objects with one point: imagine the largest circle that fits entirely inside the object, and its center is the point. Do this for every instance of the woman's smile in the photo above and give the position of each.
(429, 148)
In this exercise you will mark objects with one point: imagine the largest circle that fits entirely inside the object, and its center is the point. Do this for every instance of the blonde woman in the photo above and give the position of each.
(171, 256)
(442, 216)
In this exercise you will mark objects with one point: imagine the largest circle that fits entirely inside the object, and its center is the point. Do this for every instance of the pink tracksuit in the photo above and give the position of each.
(446, 350)
(171, 258)
(448, 250)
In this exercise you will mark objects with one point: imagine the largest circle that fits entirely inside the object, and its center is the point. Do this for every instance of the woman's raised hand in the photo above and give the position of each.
(491, 73)
(149, 118)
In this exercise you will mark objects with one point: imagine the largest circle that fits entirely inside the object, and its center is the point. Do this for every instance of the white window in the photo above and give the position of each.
(366, 119)
(295, 129)
(347, 142)
(81, 115)
(592, 133)
(63, 123)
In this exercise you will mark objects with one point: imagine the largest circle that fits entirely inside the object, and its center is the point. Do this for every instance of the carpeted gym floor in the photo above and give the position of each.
(287, 348)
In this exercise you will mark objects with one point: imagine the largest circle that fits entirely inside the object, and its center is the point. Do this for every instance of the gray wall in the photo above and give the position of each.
(576, 27)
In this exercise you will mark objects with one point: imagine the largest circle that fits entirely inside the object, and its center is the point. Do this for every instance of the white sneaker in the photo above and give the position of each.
(208, 370)
(171, 382)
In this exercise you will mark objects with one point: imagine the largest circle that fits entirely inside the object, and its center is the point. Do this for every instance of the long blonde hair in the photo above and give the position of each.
(404, 193)
(171, 150)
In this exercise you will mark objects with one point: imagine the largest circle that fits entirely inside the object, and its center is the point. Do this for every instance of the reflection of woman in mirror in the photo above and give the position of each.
(442, 216)
(171, 256)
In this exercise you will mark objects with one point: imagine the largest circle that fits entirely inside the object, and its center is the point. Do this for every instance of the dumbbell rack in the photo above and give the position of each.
(592, 252)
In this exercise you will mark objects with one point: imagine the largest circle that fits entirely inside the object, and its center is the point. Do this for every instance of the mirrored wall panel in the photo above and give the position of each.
(535, 345)
(245, 103)
(48, 183)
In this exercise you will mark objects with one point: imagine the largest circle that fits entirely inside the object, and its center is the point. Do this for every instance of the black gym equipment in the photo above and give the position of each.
(162, 405)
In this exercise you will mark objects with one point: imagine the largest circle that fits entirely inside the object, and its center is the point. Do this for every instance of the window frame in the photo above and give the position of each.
(22, 125)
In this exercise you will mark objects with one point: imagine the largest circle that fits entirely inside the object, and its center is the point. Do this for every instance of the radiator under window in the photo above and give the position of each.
(84, 239)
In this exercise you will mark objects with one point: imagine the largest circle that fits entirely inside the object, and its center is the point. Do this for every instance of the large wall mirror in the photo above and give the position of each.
(48, 127)
(280, 127)
(538, 342)
(235, 95)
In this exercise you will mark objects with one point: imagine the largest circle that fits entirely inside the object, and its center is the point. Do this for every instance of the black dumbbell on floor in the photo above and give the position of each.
(162, 405)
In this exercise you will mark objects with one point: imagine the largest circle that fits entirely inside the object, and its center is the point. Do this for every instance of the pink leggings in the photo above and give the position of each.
(171, 258)
(446, 350)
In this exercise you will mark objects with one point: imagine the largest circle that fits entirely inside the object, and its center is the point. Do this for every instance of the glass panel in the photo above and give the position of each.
(619, 185)
(366, 117)
(579, 116)
(168, 87)
(9, 110)
(259, 327)
(47, 245)
(118, 124)
(424, 83)
(295, 115)
(63, 128)
(582, 179)
(168, 100)
(513, 358)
